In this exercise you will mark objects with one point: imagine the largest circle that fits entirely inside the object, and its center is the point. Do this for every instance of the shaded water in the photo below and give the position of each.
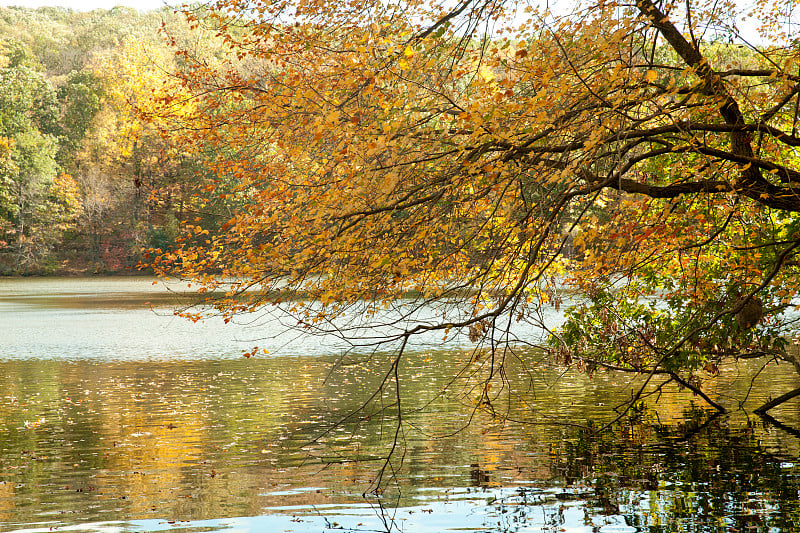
(117, 416)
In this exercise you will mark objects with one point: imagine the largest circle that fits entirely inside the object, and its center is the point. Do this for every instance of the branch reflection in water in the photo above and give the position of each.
(106, 426)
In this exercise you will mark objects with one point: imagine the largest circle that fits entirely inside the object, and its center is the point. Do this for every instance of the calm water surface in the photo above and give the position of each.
(117, 416)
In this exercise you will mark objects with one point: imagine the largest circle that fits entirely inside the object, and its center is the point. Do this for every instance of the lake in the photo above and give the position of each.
(117, 416)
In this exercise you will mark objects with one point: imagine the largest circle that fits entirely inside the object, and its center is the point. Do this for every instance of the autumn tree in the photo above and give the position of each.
(132, 178)
(424, 170)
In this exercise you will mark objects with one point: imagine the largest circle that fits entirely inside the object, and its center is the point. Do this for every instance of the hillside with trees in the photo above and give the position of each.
(85, 182)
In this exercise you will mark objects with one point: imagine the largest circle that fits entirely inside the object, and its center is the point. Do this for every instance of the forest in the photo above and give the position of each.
(86, 182)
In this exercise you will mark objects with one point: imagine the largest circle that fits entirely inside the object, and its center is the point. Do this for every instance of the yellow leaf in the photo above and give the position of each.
(651, 76)
(408, 52)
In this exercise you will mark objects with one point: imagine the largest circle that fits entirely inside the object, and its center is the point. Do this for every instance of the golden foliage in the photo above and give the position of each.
(475, 158)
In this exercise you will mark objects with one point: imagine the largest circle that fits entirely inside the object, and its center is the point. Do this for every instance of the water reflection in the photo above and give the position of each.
(147, 442)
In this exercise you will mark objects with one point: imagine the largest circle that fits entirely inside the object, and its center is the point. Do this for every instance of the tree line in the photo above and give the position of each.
(85, 182)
